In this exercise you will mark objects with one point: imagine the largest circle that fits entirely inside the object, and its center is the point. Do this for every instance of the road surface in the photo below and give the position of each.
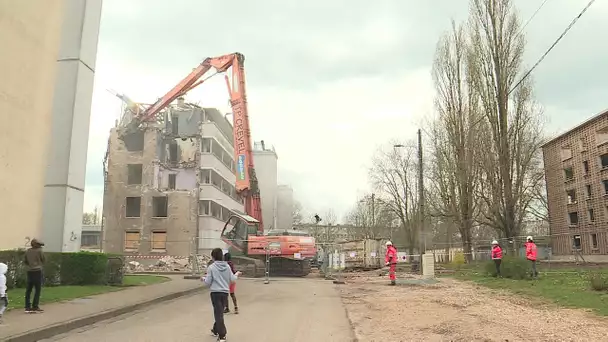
(294, 310)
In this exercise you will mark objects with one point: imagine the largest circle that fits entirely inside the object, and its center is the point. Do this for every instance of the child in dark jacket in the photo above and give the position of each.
(227, 258)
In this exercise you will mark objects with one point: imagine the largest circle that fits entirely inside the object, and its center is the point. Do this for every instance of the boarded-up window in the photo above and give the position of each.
(159, 241)
(135, 174)
(133, 207)
(160, 206)
(131, 241)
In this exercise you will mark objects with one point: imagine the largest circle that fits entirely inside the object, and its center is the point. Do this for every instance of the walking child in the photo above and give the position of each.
(218, 279)
(3, 296)
(227, 258)
(497, 256)
(531, 253)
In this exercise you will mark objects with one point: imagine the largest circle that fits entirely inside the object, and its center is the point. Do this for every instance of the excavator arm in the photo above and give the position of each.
(246, 180)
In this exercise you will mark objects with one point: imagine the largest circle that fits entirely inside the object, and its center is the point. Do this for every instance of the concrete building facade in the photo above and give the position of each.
(170, 186)
(284, 207)
(67, 154)
(265, 159)
(30, 33)
(576, 173)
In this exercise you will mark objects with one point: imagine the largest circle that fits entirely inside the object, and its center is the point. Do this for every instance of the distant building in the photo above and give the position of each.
(90, 238)
(265, 159)
(284, 207)
(576, 171)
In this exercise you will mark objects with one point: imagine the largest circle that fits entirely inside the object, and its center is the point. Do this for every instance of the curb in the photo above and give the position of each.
(64, 327)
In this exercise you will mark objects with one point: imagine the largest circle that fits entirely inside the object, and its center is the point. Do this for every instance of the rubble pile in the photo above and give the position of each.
(169, 264)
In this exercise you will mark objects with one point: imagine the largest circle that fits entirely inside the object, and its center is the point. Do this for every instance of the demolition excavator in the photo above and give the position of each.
(282, 253)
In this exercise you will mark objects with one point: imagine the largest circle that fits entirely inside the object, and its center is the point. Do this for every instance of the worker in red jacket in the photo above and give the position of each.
(531, 253)
(391, 261)
(497, 256)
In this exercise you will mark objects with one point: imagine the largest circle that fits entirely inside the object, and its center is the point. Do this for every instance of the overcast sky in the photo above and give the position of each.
(328, 81)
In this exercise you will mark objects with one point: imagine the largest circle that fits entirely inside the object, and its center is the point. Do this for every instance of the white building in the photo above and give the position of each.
(265, 159)
(284, 207)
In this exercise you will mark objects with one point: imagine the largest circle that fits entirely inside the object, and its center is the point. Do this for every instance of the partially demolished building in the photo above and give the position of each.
(169, 186)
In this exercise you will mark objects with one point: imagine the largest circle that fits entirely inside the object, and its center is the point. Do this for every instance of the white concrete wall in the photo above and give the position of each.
(67, 155)
(266, 171)
(284, 207)
(30, 33)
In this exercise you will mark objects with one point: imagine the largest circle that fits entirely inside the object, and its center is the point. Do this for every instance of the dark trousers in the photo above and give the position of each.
(534, 271)
(497, 263)
(219, 301)
(233, 296)
(34, 282)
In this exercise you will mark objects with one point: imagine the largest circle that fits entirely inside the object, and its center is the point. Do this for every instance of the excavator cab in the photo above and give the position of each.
(237, 229)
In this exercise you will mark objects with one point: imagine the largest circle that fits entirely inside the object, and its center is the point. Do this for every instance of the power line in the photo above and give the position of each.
(532, 17)
(552, 46)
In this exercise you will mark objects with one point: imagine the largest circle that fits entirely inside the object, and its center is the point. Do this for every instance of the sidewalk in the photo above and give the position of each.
(62, 317)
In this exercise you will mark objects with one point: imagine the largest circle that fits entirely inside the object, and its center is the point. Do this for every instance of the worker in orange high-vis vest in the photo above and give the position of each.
(531, 253)
(497, 256)
(391, 261)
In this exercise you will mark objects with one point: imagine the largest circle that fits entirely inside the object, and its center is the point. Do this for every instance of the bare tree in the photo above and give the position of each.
(394, 176)
(455, 139)
(326, 230)
(368, 220)
(296, 212)
(511, 125)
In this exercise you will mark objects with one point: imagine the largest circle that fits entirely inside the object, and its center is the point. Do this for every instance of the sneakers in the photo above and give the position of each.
(236, 310)
(213, 333)
(226, 310)
(220, 339)
(39, 310)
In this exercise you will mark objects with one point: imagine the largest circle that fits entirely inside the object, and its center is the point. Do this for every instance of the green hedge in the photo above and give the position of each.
(511, 267)
(82, 268)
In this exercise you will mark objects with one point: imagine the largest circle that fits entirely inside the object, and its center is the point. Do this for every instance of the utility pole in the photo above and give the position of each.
(421, 196)
(373, 211)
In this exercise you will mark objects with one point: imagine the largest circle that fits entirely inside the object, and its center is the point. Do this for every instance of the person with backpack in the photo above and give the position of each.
(497, 256)
(218, 278)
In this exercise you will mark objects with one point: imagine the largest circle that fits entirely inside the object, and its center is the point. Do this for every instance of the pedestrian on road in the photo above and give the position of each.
(34, 260)
(227, 258)
(531, 253)
(497, 256)
(218, 279)
(3, 296)
(390, 260)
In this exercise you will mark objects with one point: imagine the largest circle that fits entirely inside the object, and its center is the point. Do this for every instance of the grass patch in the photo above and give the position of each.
(54, 294)
(566, 287)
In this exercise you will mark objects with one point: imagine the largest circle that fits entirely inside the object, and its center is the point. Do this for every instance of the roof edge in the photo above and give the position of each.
(582, 124)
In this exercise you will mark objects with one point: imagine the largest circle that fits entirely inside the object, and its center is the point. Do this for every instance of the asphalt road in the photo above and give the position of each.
(286, 310)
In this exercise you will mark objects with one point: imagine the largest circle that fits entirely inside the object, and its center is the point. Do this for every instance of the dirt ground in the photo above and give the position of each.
(458, 311)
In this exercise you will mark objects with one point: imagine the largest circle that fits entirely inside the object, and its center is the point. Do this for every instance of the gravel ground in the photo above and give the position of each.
(457, 311)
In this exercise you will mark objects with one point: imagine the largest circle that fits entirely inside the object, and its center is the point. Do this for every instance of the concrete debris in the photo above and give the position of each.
(168, 264)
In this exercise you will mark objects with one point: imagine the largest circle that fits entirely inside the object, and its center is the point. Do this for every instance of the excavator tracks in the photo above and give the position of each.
(286, 267)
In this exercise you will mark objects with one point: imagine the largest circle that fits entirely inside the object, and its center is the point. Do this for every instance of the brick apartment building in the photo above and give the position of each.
(576, 171)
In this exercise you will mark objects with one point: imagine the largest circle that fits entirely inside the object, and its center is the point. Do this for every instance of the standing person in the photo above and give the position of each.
(3, 296)
(391, 260)
(218, 279)
(227, 258)
(34, 260)
(531, 253)
(497, 256)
